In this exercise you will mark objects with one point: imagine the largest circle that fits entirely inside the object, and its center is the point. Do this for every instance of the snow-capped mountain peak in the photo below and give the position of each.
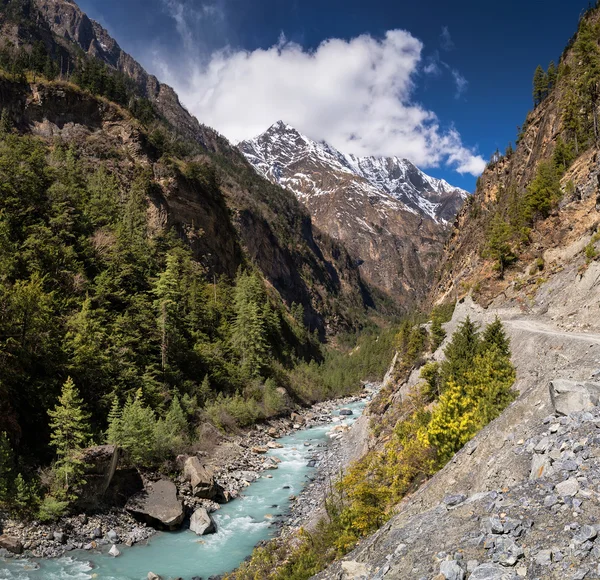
(391, 216)
(307, 167)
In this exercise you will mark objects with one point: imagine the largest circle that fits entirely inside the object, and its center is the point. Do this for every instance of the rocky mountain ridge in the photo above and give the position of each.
(390, 215)
(70, 24)
(281, 150)
(244, 220)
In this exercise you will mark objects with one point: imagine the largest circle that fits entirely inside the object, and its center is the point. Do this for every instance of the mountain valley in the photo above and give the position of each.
(281, 357)
(390, 215)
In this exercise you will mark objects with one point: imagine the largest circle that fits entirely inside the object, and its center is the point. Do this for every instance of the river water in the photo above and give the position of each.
(241, 524)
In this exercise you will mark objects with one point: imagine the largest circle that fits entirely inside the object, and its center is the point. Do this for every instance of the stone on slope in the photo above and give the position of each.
(492, 572)
(11, 544)
(567, 488)
(540, 466)
(158, 505)
(201, 523)
(450, 570)
(573, 396)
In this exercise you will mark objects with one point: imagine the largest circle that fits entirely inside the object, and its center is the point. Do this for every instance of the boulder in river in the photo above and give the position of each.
(201, 523)
(11, 544)
(573, 396)
(153, 576)
(346, 412)
(114, 551)
(158, 505)
(202, 480)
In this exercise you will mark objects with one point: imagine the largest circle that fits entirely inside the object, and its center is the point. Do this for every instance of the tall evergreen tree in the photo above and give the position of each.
(540, 86)
(542, 192)
(494, 335)
(438, 334)
(498, 246)
(69, 422)
(137, 431)
(70, 433)
(587, 53)
(552, 74)
(460, 352)
(114, 433)
(6, 468)
(248, 331)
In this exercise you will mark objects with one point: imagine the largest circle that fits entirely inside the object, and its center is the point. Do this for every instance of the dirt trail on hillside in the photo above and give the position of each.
(538, 327)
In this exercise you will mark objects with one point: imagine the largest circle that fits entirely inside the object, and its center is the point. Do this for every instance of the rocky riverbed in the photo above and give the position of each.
(234, 463)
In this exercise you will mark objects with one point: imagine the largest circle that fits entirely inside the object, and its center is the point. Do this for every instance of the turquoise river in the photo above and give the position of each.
(241, 524)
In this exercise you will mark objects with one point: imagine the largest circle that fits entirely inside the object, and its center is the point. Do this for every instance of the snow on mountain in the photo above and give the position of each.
(310, 168)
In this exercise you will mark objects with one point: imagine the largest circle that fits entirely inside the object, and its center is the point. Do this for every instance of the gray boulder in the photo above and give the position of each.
(114, 551)
(507, 551)
(201, 523)
(450, 570)
(202, 479)
(540, 466)
(492, 572)
(158, 505)
(11, 544)
(573, 396)
(153, 576)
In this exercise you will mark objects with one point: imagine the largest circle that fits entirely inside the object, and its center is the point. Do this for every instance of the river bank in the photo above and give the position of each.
(236, 460)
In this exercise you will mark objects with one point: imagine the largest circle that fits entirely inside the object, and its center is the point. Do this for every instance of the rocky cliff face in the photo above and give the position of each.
(390, 215)
(66, 20)
(549, 245)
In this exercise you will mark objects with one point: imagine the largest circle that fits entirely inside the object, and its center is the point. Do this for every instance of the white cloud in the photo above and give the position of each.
(357, 95)
(187, 16)
(460, 81)
(446, 41)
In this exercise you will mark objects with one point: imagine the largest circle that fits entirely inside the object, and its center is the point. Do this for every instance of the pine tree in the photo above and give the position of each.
(205, 393)
(69, 422)
(438, 334)
(563, 155)
(495, 336)
(70, 432)
(452, 422)
(138, 435)
(25, 500)
(587, 53)
(6, 124)
(540, 86)
(170, 431)
(248, 332)
(6, 468)
(114, 433)
(489, 382)
(542, 192)
(498, 246)
(460, 352)
(175, 418)
(552, 75)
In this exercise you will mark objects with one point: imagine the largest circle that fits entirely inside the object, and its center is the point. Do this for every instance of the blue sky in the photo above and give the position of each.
(442, 83)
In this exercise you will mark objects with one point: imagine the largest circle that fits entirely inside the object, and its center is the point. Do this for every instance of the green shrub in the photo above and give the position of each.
(51, 509)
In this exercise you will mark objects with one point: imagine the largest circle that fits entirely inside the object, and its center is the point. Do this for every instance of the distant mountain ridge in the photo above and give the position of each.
(391, 216)
(281, 150)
